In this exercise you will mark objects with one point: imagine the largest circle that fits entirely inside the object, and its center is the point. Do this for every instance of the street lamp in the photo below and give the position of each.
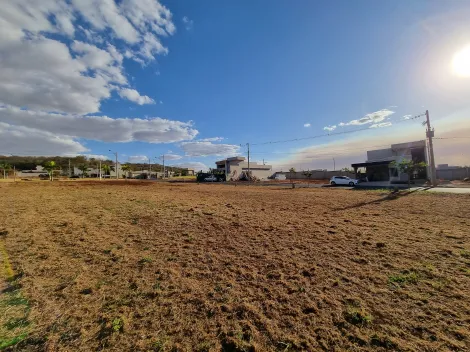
(116, 165)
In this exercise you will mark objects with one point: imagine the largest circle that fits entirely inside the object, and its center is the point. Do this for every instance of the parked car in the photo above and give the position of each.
(210, 178)
(343, 180)
(44, 176)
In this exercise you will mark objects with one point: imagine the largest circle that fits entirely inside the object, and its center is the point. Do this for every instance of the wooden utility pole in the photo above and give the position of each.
(429, 136)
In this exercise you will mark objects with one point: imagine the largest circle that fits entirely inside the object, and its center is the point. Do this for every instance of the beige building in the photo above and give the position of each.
(233, 167)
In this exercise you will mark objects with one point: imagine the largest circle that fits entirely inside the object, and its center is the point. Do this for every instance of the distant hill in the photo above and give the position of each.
(30, 162)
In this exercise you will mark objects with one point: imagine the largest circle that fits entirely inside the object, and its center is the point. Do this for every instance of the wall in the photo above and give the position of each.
(453, 174)
(317, 175)
(379, 154)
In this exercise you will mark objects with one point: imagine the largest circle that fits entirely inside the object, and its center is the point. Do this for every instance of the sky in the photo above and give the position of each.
(308, 84)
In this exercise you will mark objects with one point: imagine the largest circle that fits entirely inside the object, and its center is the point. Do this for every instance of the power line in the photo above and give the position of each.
(333, 133)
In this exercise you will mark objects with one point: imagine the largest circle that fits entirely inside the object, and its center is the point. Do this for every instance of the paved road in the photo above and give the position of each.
(461, 190)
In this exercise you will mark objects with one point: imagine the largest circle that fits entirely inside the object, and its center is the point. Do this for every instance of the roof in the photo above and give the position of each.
(372, 163)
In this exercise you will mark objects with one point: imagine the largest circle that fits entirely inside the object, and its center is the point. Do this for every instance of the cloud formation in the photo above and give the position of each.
(199, 148)
(19, 140)
(329, 128)
(66, 56)
(307, 125)
(213, 139)
(133, 95)
(188, 24)
(100, 128)
(139, 159)
(372, 118)
(196, 165)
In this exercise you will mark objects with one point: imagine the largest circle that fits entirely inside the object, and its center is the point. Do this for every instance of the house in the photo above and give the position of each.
(233, 167)
(379, 164)
(31, 173)
(188, 171)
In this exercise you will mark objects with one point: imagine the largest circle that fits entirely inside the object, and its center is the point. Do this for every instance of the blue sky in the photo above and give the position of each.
(194, 80)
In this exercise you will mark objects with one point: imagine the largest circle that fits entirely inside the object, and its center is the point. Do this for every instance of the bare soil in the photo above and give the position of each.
(147, 266)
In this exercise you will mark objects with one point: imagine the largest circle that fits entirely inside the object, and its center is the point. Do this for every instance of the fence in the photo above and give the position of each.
(453, 174)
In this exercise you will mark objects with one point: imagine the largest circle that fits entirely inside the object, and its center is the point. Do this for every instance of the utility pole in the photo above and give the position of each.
(429, 136)
(70, 175)
(334, 164)
(100, 170)
(248, 145)
(150, 168)
(14, 173)
(116, 165)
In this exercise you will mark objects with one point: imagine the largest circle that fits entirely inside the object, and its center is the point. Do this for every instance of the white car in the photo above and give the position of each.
(210, 178)
(343, 180)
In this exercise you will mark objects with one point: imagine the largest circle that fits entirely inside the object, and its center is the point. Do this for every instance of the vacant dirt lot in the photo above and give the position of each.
(187, 267)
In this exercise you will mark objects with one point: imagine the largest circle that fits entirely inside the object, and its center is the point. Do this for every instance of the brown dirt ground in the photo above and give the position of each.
(189, 267)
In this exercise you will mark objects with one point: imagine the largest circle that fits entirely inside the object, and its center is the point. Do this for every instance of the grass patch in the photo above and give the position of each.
(465, 254)
(404, 278)
(14, 324)
(358, 316)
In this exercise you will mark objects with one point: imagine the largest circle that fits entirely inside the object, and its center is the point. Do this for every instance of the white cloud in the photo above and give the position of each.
(199, 148)
(133, 95)
(101, 128)
(96, 156)
(38, 70)
(329, 128)
(379, 125)
(139, 159)
(171, 156)
(374, 117)
(196, 165)
(407, 117)
(188, 24)
(213, 139)
(307, 125)
(19, 140)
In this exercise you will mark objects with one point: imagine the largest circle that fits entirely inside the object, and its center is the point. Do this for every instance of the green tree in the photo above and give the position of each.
(83, 168)
(6, 168)
(107, 169)
(292, 169)
(409, 167)
(50, 167)
(308, 174)
(125, 169)
(184, 172)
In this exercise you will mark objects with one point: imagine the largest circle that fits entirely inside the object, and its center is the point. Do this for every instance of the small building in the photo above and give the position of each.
(379, 164)
(189, 171)
(233, 167)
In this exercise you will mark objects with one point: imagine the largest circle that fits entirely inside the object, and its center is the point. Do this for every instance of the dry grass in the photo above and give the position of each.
(187, 267)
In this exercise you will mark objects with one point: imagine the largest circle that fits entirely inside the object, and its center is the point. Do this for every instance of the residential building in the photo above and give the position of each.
(380, 163)
(189, 172)
(233, 167)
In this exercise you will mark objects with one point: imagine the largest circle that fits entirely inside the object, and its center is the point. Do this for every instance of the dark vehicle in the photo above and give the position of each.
(44, 176)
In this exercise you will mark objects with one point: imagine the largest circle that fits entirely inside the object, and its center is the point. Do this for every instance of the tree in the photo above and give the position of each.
(6, 168)
(184, 172)
(50, 166)
(83, 168)
(125, 169)
(347, 169)
(409, 167)
(292, 169)
(308, 174)
(106, 169)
